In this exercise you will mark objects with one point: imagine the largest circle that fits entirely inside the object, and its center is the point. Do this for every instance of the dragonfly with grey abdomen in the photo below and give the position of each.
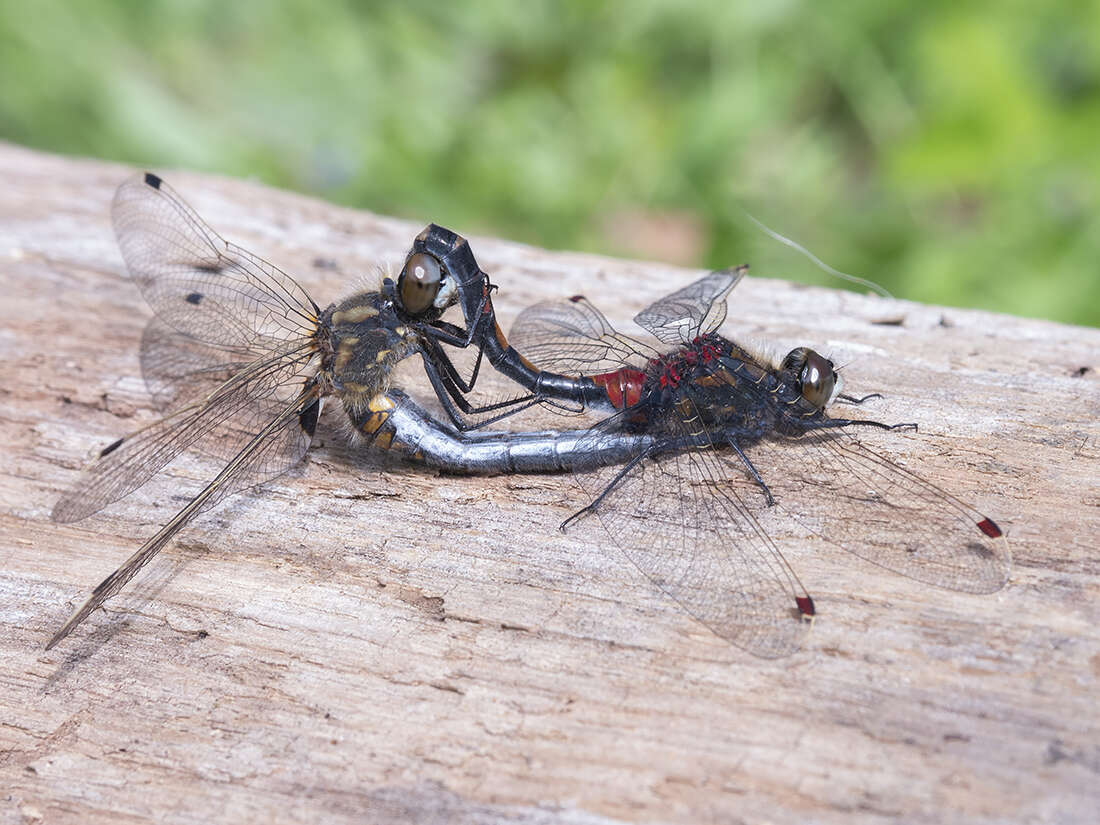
(730, 432)
(240, 359)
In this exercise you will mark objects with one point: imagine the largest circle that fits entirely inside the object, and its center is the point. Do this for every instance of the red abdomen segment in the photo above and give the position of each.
(623, 386)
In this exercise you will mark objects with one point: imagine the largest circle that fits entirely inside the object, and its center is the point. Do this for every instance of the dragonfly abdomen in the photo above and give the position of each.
(394, 422)
(623, 387)
(616, 390)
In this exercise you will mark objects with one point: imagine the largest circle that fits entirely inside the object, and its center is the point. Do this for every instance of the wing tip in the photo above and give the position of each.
(806, 607)
(84, 611)
(64, 511)
(152, 180)
(65, 629)
(735, 272)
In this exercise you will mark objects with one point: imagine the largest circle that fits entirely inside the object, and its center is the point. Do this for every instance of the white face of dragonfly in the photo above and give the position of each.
(838, 388)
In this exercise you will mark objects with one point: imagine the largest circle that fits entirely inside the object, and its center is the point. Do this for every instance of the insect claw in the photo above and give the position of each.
(577, 515)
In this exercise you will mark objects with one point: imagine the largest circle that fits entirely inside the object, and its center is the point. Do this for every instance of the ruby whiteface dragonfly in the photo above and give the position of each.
(724, 434)
(240, 359)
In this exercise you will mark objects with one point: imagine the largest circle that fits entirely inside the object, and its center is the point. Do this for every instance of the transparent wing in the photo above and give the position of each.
(180, 370)
(199, 283)
(688, 517)
(864, 502)
(220, 424)
(252, 463)
(695, 310)
(574, 338)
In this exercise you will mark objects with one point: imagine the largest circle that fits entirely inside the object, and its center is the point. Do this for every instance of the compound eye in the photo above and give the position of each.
(419, 283)
(817, 380)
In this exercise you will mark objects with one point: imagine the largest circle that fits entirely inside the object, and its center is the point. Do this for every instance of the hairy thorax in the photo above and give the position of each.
(365, 343)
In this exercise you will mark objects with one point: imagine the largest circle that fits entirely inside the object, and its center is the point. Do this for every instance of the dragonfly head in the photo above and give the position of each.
(424, 286)
(816, 378)
(441, 271)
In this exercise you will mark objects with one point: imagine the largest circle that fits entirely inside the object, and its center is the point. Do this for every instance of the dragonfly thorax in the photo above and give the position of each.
(365, 341)
(729, 389)
(685, 364)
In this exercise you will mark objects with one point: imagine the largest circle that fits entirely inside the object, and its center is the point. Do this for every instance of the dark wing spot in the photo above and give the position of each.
(194, 298)
(152, 180)
(110, 448)
(805, 605)
(576, 298)
(987, 526)
(307, 418)
(204, 266)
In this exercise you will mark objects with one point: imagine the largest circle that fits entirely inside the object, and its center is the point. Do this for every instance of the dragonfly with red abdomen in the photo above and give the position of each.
(730, 433)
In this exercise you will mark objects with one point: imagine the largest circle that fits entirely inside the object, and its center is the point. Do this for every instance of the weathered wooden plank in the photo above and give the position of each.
(366, 641)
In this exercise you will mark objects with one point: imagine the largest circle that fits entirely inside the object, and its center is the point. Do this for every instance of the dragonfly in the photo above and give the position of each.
(241, 359)
(725, 433)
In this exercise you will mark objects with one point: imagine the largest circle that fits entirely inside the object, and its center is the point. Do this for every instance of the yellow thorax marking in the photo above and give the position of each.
(344, 352)
(354, 315)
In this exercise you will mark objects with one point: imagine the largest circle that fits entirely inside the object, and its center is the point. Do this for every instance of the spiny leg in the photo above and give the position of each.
(851, 399)
(443, 381)
(592, 506)
(834, 423)
(752, 471)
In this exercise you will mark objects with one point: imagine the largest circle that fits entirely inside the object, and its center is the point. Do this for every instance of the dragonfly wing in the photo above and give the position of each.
(219, 424)
(198, 282)
(252, 463)
(689, 520)
(179, 369)
(695, 310)
(866, 503)
(574, 338)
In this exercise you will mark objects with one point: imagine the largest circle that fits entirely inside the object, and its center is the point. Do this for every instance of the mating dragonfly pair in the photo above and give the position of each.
(699, 443)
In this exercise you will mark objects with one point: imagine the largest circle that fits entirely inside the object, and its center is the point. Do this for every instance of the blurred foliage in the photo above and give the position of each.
(945, 150)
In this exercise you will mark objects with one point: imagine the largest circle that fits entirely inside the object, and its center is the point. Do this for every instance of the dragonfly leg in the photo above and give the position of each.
(753, 472)
(444, 362)
(910, 426)
(448, 388)
(851, 399)
(833, 423)
(594, 505)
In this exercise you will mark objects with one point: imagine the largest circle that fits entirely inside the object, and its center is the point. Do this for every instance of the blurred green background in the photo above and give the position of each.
(948, 151)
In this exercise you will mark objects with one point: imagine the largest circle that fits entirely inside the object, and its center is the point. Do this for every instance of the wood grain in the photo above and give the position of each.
(366, 641)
